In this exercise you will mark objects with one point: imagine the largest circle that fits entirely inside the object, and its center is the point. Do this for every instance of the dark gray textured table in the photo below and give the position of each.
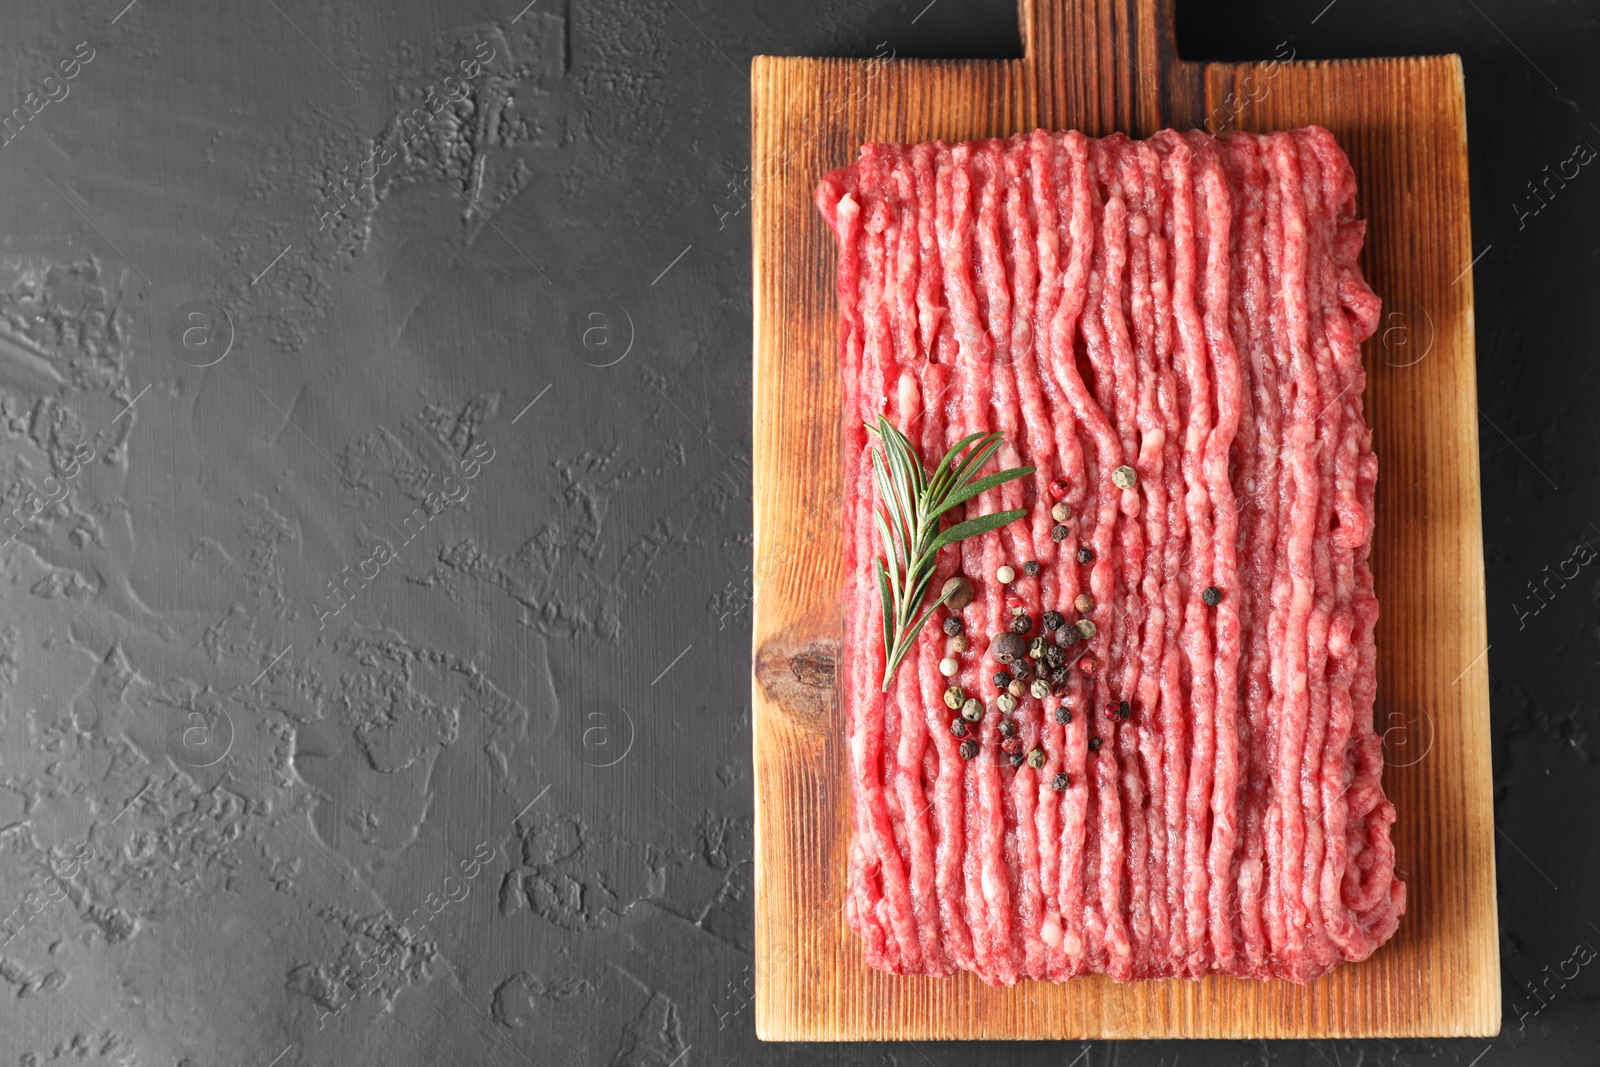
(375, 408)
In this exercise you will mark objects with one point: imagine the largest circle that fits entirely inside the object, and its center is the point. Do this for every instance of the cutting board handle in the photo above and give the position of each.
(1107, 65)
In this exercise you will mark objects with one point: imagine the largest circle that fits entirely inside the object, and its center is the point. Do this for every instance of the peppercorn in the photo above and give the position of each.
(1007, 703)
(1087, 664)
(1040, 688)
(1085, 555)
(1124, 477)
(1054, 655)
(1036, 647)
(1068, 636)
(1008, 728)
(949, 666)
(953, 626)
(969, 748)
(1211, 596)
(972, 710)
(1021, 623)
(1086, 627)
(1017, 689)
(961, 643)
(1011, 744)
(1017, 758)
(1054, 620)
(1031, 568)
(1059, 532)
(1001, 680)
(1023, 669)
(1008, 647)
(1058, 488)
(1063, 714)
(1060, 782)
(1015, 603)
(1084, 603)
(1113, 710)
(1059, 689)
(1094, 744)
(1061, 512)
(958, 727)
(1036, 758)
(1124, 710)
(954, 697)
(957, 593)
(1005, 575)
(1059, 676)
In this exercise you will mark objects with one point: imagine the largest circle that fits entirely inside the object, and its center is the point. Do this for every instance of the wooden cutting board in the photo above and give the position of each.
(1101, 66)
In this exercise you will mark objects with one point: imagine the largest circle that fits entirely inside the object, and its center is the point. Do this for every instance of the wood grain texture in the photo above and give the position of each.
(1100, 66)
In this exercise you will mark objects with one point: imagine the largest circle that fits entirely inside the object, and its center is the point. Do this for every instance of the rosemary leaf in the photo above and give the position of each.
(972, 528)
(909, 525)
(982, 485)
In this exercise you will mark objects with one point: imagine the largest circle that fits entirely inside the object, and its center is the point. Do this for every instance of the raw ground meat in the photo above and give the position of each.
(1191, 307)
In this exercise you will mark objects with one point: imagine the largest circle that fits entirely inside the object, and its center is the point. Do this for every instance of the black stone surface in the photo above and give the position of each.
(307, 757)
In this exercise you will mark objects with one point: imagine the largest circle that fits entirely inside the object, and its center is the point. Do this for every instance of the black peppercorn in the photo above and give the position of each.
(1022, 669)
(952, 625)
(1001, 679)
(1008, 647)
(1054, 620)
(1060, 782)
(1031, 568)
(1063, 714)
(1085, 555)
(958, 727)
(969, 748)
(1068, 636)
(1021, 624)
(1059, 532)
(1017, 758)
(1094, 744)
(1008, 728)
(1054, 655)
(1124, 710)
(1060, 675)
(1212, 596)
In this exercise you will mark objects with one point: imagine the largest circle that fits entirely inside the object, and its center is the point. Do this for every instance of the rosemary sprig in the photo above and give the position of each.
(914, 502)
